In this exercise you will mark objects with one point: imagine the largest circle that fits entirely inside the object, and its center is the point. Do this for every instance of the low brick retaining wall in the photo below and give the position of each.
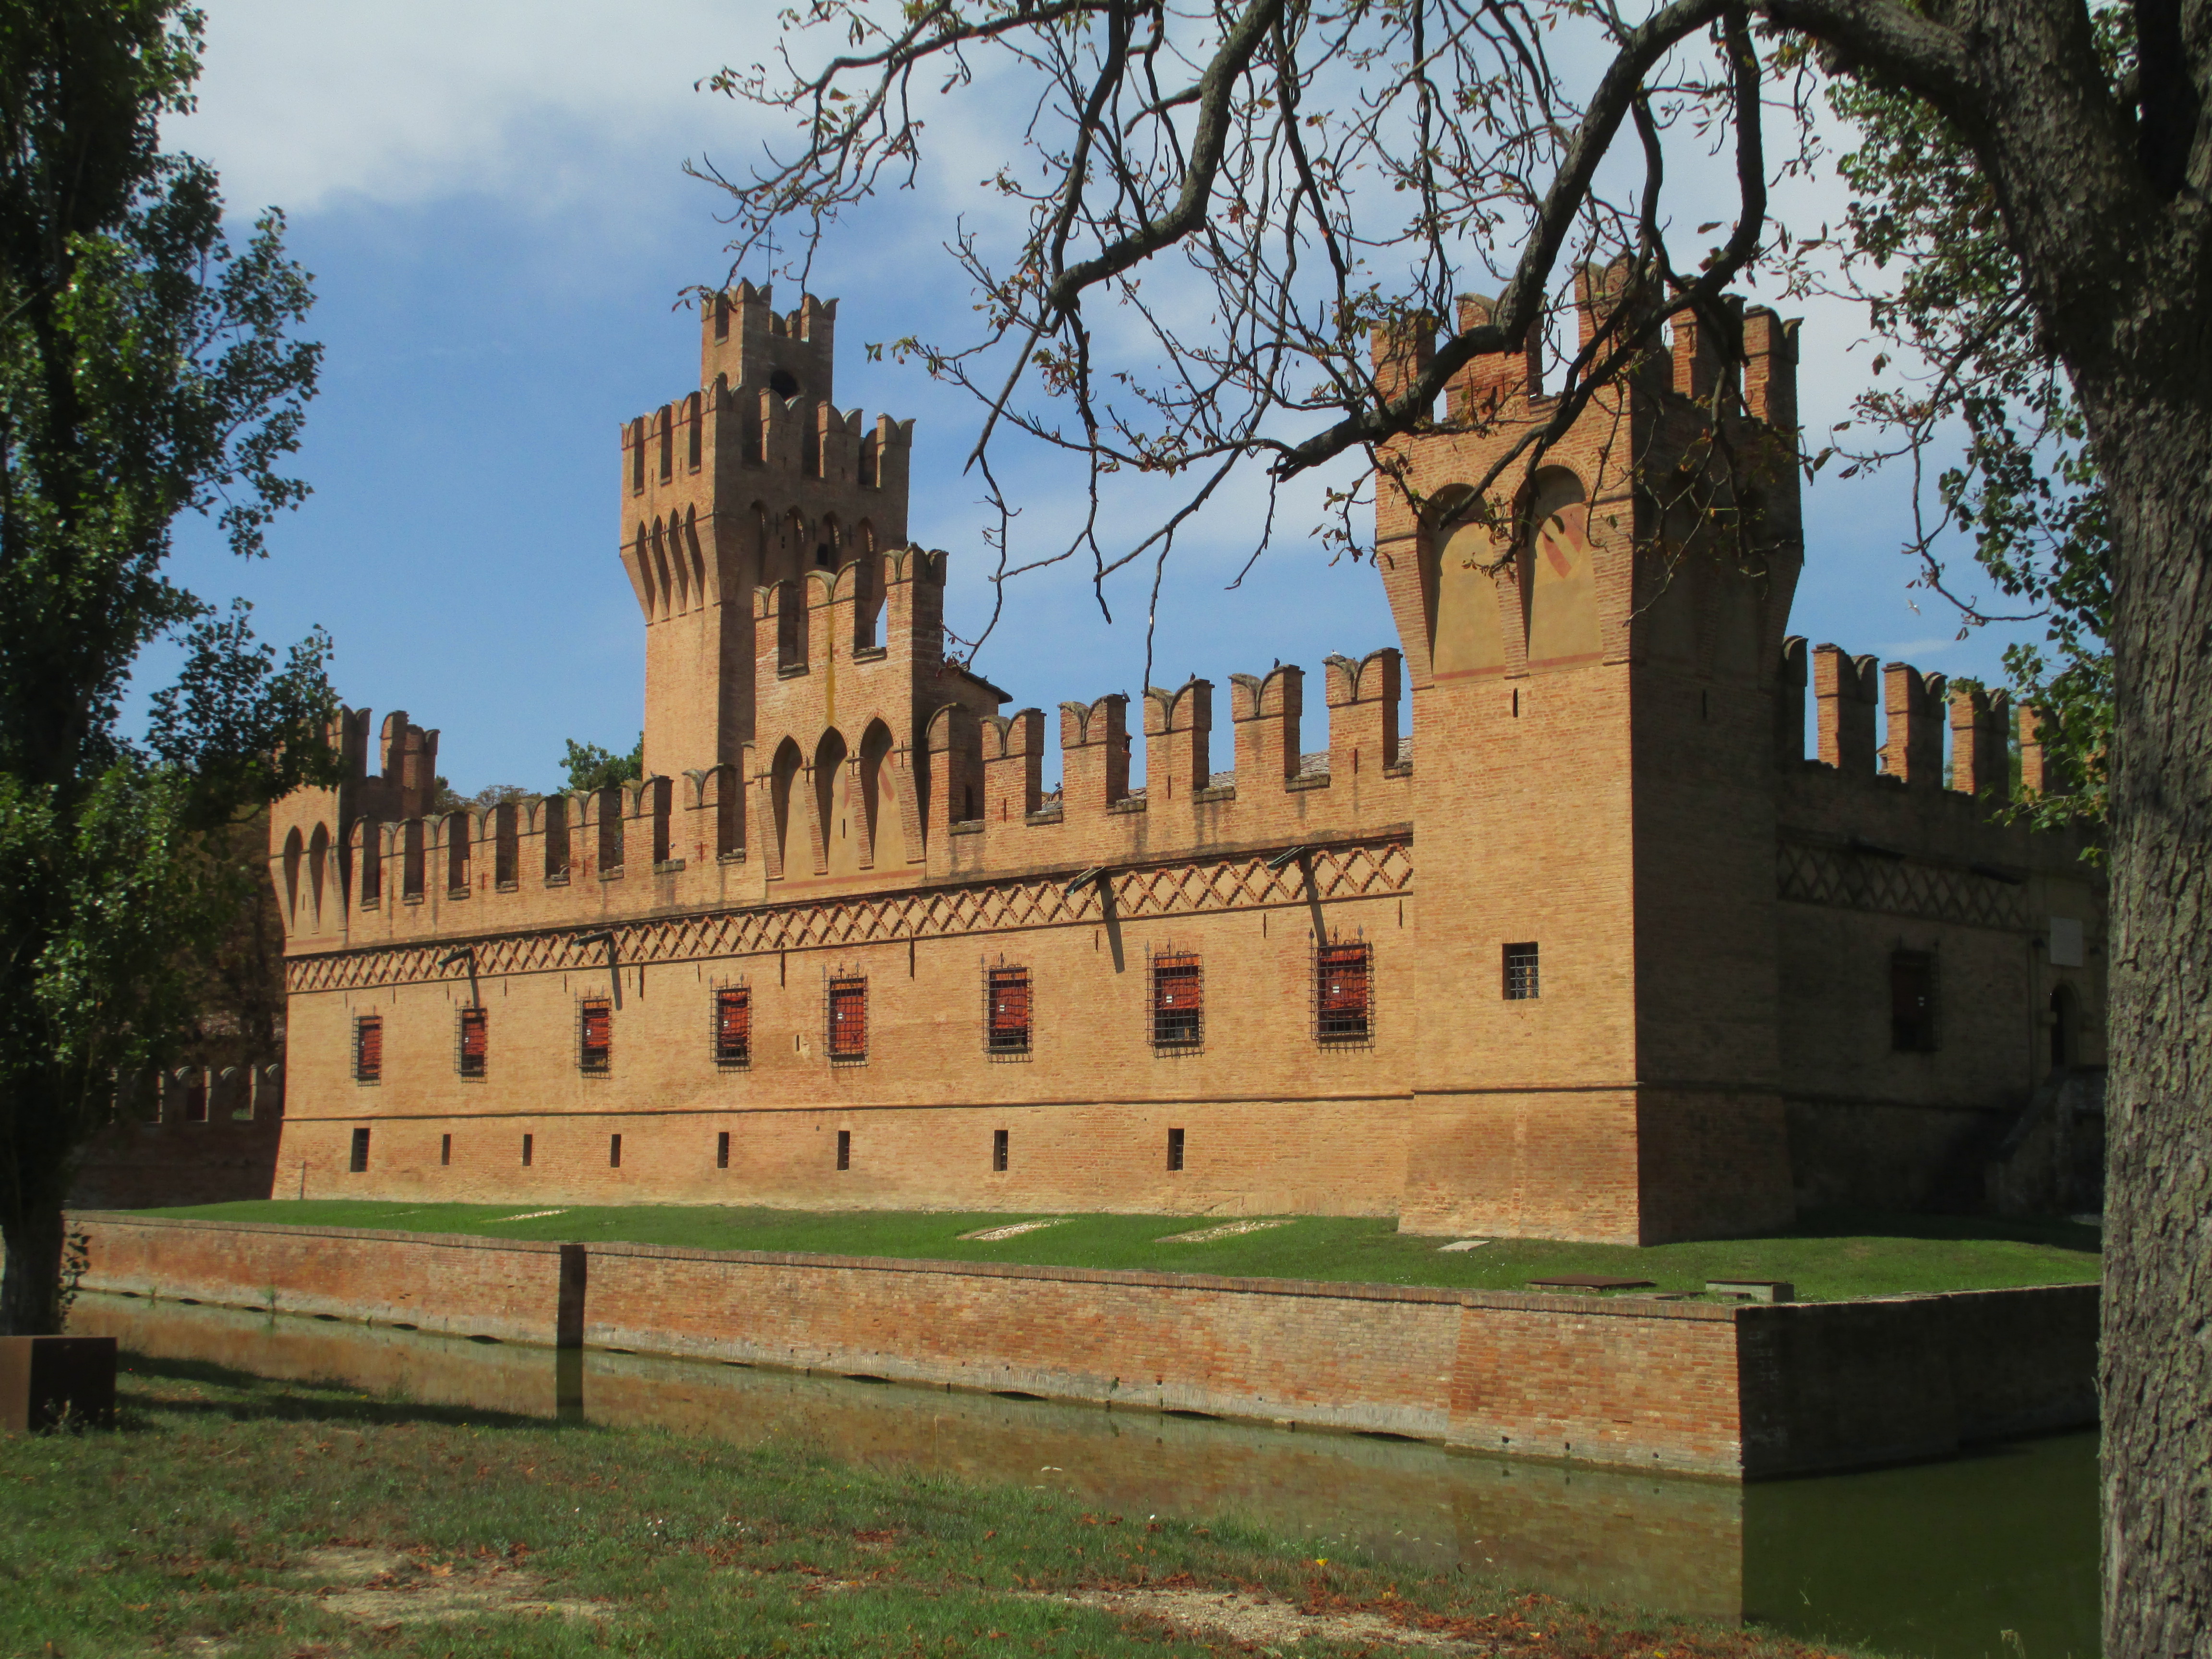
(1698, 1387)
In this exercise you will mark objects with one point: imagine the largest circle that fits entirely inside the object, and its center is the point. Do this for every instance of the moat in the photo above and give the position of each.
(1992, 1554)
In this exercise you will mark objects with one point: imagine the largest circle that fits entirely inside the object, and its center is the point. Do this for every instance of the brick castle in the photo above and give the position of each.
(1608, 958)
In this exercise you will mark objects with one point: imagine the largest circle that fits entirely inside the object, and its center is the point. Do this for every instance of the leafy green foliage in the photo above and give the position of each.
(2025, 490)
(590, 767)
(147, 368)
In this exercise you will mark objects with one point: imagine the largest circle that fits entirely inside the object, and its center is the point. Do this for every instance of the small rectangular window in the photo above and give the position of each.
(368, 1048)
(1521, 984)
(998, 1149)
(1178, 1001)
(1175, 1149)
(722, 1150)
(848, 1021)
(529, 1146)
(472, 1050)
(595, 1036)
(1343, 993)
(1007, 998)
(359, 1162)
(614, 1152)
(844, 1149)
(733, 1027)
(445, 1149)
(1912, 1002)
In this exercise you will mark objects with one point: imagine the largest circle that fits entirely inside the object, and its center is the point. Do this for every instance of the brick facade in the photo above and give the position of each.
(1610, 780)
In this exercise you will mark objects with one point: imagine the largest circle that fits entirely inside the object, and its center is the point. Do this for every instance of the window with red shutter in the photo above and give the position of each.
(1178, 1001)
(1343, 989)
(1007, 997)
(733, 1026)
(849, 1020)
(368, 1048)
(595, 1037)
(473, 1047)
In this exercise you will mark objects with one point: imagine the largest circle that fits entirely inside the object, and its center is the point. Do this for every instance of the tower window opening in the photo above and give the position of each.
(368, 1048)
(1344, 988)
(614, 1152)
(357, 1164)
(998, 1141)
(473, 1044)
(529, 1149)
(844, 1149)
(1178, 1001)
(1006, 1004)
(445, 1149)
(733, 1027)
(1912, 1002)
(1523, 981)
(848, 1021)
(783, 383)
(595, 1037)
(1175, 1149)
(722, 1150)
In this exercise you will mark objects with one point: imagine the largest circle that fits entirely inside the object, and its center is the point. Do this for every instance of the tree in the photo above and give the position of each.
(1220, 204)
(146, 368)
(590, 767)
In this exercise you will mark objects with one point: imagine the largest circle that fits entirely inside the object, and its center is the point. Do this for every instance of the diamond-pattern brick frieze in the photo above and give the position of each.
(1856, 880)
(1360, 870)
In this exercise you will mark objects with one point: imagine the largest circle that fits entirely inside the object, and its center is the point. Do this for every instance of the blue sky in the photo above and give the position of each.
(491, 199)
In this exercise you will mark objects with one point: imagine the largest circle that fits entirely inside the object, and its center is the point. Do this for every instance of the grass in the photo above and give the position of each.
(1825, 1257)
(236, 1517)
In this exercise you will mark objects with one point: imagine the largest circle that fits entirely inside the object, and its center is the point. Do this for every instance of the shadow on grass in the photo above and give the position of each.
(2055, 1231)
(256, 1398)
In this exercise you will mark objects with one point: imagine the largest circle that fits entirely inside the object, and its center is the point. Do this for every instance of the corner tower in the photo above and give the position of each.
(753, 479)
(1593, 653)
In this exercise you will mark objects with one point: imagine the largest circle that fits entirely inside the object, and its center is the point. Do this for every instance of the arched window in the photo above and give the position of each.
(556, 839)
(695, 439)
(790, 627)
(664, 430)
(369, 836)
(318, 855)
(608, 804)
(294, 850)
(410, 861)
(781, 777)
(637, 456)
(1464, 636)
(868, 602)
(507, 843)
(457, 853)
(878, 789)
(1558, 575)
(839, 850)
(722, 316)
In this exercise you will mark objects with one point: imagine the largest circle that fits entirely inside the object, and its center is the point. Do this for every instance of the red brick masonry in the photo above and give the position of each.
(1738, 1392)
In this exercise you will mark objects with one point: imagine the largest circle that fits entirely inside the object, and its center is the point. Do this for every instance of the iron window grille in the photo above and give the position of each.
(1912, 1002)
(1178, 1002)
(1344, 994)
(733, 1027)
(1007, 1013)
(471, 1054)
(358, 1163)
(368, 1048)
(595, 1036)
(848, 1021)
(1521, 980)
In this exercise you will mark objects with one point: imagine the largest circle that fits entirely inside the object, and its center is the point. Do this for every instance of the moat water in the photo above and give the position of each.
(1989, 1556)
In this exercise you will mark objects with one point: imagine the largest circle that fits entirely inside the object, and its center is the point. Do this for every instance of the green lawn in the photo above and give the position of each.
(260, 1519)
(1827, 1258)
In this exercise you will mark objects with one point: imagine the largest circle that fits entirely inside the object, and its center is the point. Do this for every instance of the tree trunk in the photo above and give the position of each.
(31, 1278)
(2153, 432)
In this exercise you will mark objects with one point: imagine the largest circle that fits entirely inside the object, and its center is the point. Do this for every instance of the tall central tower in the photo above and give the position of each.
(753, 479)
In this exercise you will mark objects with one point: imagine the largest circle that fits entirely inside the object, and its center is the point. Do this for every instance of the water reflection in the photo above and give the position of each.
(1935, 1560)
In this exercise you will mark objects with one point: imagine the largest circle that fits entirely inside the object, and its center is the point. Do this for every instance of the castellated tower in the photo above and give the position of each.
(747, 484)
(1593, 656)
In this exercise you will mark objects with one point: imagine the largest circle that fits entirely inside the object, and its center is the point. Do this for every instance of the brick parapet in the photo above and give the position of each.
(1733, 1391)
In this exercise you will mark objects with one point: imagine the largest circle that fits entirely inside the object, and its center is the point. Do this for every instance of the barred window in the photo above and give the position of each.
(1178, 1001)
(1343, 993)
(595, 1036)
(472, 1044)
(1521, 984)
(848, 1021)
(1912, 1002)
(1007, 994)
(733, 1027)
(368, 1048)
